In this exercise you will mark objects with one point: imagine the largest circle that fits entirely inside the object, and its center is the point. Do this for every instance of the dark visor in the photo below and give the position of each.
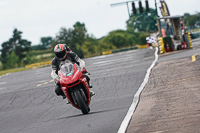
(60, 54)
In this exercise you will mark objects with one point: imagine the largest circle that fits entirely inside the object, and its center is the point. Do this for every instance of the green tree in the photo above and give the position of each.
(142, 38)
(30, 58)
(12, 60)
(79, 33)
(91, 46)
(18, 45)
(64, 36)
(46, 41)
(192, 20)
(74, 37)
(120, 38)
(142, 22)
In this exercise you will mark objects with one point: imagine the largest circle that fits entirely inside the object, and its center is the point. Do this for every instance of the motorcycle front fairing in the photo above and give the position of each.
(70, 76)
(69, 73)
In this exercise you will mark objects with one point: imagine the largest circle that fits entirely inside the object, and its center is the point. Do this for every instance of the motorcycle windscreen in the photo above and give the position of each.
(67, 69)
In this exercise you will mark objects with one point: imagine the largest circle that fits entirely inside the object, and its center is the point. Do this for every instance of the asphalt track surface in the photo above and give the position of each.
(28, 103)
(181, 53)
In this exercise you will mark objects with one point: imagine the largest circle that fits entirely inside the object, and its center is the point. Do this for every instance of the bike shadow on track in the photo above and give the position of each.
(91, 113)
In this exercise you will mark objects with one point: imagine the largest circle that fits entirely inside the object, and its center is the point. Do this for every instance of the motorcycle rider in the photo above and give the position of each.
(62, 53)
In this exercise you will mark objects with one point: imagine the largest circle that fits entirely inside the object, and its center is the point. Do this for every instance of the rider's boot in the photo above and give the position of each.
(63, 96)
(90, 86)
(92, 93)
(68, 102)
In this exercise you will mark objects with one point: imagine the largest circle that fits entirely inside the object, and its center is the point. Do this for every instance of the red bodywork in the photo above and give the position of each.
(72, 80)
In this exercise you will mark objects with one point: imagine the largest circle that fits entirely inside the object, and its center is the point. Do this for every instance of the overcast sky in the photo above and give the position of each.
(42, 18)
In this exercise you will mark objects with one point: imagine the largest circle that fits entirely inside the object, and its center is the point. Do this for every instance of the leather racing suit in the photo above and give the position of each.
(71, 56)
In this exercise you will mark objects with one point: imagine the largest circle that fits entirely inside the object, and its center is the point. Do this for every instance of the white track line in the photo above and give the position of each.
(4, 75)
(135, 102)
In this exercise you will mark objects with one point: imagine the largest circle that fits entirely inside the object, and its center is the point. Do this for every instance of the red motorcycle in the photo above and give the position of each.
(75, 86)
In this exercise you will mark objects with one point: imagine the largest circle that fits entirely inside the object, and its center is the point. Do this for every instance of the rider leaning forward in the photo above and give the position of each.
(63, 53)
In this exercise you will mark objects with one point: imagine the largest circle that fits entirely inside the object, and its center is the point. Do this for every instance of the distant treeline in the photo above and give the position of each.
(192, 21)
(17, 52)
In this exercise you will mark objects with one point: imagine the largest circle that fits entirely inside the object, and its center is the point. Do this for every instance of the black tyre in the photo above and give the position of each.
(81, 102)
(88, 109)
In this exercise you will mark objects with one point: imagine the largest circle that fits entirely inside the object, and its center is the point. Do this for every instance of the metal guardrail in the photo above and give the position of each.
(142, 46)
(38, 64)
(107, 52)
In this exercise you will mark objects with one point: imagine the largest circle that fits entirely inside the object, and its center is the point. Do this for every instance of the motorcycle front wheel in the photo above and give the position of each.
(81, 102)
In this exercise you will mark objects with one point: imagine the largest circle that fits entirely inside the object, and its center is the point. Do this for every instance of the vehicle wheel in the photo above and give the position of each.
(81, 102)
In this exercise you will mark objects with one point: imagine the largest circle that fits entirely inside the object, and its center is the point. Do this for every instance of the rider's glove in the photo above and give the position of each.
(57, 81)
(84, 70)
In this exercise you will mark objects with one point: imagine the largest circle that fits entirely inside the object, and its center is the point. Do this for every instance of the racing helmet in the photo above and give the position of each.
(60, 51)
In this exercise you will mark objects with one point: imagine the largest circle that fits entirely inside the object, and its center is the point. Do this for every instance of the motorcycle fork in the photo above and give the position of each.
(77, 88)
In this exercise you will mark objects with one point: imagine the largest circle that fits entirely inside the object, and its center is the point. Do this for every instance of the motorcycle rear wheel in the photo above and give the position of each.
(81, 102)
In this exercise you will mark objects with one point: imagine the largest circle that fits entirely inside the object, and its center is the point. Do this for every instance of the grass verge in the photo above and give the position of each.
(3, 72)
